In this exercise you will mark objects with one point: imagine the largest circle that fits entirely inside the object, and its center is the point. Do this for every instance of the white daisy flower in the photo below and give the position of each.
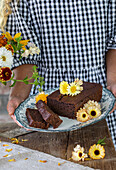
(6, 57)
(74, 89)
(78, 147)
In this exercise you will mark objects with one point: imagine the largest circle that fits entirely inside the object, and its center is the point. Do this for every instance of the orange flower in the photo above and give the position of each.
(41, 96)
(5, 74)
(3, 40)
(10, 38)
(24, 43)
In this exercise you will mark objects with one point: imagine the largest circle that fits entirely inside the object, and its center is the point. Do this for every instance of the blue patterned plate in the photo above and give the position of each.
(107, 102)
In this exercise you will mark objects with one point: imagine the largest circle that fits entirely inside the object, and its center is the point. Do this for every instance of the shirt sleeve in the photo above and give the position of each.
(23, 19)
(111, 26)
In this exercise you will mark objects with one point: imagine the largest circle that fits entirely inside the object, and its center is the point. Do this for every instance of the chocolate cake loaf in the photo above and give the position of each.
(48, 115)
(67, 106)
(35, 119)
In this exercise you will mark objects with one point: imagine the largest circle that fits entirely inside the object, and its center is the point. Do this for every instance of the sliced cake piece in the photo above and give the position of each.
(48, 115)
(67, 106)
(35, 119)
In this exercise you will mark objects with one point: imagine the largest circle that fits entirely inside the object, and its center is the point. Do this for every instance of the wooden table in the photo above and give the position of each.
(62, 144)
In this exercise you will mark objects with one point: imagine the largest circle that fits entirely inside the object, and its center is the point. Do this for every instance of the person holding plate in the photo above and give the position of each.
(75, 38)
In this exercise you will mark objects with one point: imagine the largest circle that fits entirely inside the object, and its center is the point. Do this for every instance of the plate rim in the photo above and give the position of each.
(71, 128)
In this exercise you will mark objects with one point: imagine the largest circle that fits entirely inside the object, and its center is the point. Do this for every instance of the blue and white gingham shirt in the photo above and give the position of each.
(73, 37)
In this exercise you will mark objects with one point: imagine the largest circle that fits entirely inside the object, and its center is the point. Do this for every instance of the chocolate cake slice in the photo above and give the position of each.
(48, 115)
(35, 119)
(67, 106)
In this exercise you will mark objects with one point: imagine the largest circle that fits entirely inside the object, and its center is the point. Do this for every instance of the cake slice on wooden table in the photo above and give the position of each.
(48, 115)
(67, 105)
(35, 119)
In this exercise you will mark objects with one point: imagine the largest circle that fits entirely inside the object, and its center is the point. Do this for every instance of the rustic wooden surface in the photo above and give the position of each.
(62, 144)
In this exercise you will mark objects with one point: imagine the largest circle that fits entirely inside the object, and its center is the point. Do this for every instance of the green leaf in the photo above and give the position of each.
(25, 78)
(101, 141)
(34, 67)
(4, 82)
(14, 48)
(18, 39)
(26, 82)
(12, 76)
(13, 83)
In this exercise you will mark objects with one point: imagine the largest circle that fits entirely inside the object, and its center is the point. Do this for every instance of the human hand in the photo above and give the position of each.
(112, 88)
(13, 103)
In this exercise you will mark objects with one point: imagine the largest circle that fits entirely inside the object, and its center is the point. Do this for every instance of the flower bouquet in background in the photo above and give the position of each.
(10, 46)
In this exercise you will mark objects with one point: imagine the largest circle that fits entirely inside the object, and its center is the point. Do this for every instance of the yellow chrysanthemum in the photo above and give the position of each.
(93, 111)
(41, 96)
(82, 115)
(64, 87)
(97, 151)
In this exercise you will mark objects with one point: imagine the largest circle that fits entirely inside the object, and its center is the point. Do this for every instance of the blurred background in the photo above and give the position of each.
(4, 94)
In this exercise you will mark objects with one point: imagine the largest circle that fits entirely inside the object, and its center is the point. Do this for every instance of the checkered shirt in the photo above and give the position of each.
(73, 37)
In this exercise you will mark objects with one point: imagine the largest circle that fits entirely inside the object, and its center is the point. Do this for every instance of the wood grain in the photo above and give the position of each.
(62, 144)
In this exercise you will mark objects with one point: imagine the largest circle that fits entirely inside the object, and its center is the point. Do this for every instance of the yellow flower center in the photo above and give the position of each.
(96, 152)
(73, 89)
(3, 58)
(6, 74)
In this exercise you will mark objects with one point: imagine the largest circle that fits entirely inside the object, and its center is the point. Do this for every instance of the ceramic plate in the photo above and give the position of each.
(107, 102)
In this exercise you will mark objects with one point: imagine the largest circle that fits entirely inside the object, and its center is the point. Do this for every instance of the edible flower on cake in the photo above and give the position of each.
(93, 108)
(64, 87)
(74, 89)
(71, 89)
(82, 115)
(93, 112)
(90, 110)
(91, 103)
